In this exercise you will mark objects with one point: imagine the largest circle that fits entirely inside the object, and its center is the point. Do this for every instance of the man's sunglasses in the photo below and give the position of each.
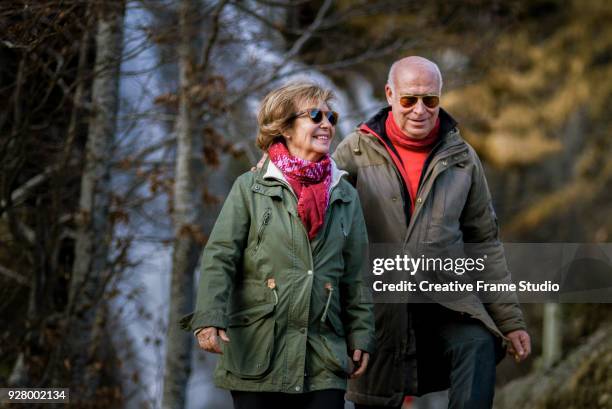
(316, 115)
(430, 101)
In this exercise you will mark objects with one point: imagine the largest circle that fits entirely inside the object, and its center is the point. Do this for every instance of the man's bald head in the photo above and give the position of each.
(413, 63)
(413, 77)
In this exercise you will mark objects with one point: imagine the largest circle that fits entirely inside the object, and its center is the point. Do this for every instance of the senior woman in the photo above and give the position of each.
(280, 288)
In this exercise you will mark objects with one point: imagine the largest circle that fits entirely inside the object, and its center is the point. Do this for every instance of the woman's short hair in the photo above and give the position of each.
(279, 105)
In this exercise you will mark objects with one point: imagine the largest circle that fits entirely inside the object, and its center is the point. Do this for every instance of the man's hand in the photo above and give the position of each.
(208, 339)
(520, 344)
(360, 361)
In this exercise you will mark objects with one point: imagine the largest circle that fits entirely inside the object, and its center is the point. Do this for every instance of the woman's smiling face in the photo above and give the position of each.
(307, 139)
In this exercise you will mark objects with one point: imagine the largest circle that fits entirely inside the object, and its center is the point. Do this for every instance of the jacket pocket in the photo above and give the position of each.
(345, 230)
(335, 354)
(446, 203)
(251, 332)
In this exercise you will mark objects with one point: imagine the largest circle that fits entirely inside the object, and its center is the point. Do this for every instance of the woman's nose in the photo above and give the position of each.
(325, 122)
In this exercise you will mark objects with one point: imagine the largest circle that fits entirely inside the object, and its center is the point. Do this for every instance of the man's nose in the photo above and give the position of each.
(419, 107)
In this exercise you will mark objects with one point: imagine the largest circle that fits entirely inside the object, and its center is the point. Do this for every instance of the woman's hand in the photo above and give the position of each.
(208, 339)
(360, 360)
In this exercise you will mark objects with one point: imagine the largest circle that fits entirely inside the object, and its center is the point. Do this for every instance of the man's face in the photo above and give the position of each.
(418, 120)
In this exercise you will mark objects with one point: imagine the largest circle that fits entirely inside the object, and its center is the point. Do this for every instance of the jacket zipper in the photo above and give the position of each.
(330, 291)
(302, 224)
(327, 222)
(303, 228)
(453, 151)
(429, 171)
(260, 231)
(328, 212)
(403, 188)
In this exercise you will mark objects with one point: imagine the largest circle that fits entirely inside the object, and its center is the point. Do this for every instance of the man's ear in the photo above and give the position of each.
(389, 94)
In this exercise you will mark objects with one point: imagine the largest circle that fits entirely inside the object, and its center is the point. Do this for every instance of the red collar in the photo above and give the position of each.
(399, 138)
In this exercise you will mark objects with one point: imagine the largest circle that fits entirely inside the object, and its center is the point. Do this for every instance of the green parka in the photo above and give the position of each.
(292, 308)
(452, 205)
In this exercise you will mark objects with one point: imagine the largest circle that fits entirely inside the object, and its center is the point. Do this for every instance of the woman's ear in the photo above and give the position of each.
(286, 133)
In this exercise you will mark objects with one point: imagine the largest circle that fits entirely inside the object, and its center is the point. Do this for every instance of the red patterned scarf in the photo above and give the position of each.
(310, 182)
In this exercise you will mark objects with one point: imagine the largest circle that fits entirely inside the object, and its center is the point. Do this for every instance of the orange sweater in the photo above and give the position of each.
(413, 153)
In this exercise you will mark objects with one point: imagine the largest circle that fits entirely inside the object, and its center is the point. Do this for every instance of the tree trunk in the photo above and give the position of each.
(552, 335)
(90, 269)
(188, 204)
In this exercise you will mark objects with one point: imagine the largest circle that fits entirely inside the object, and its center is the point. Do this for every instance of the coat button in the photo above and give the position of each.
(419, 200)
(298, 388)
(445, 163)
(394, 199)
(309, 272)
(356, 151)
(257, 187)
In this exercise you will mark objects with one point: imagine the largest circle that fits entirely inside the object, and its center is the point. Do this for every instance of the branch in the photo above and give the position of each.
(297, 46)
(292, 53)
(267, 22)
(17, 97)
(140, 156)
(15, 276)
(213, 38)
(22, 192)
(366, 9)
(79, 91)
(364, 57)
(367, 56)
(286, 4)
(23, 230)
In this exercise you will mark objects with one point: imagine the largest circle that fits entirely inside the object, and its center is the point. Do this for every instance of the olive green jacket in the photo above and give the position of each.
(292, 308)
(453, 205)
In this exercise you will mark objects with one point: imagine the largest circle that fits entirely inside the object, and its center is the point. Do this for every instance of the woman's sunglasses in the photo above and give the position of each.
(316, 115)
(430, 101)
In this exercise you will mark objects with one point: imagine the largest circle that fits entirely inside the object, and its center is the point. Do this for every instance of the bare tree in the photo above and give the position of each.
(90, 271)
(45, 46)
(187, 210)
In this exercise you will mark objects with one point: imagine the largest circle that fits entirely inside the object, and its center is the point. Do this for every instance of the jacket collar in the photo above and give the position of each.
(273, 172)
(377, 122)
(272, 179)
(449, 135)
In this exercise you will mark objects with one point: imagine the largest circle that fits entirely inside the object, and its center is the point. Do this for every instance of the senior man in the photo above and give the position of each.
(420, 182)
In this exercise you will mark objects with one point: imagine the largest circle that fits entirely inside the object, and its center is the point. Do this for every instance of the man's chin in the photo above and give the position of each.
(416, 133)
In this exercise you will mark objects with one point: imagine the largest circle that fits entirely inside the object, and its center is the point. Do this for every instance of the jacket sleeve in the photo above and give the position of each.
(220, 260)
(479, 225)
(358, 315)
